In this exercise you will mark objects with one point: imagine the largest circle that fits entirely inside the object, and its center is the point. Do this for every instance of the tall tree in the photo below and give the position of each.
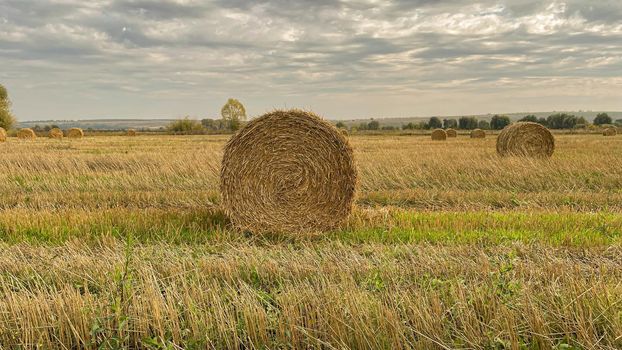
(498, 122)
(233, 113)
(602, 118)
(467, 123)
(450, 123)
(529, 118)
(561, 121)
(7, 121)
(435, 123)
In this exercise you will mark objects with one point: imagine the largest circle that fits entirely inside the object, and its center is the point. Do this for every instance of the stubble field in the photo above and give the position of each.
(116, 242)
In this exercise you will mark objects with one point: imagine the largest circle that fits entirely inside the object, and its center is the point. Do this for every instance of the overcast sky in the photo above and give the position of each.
(77, 59)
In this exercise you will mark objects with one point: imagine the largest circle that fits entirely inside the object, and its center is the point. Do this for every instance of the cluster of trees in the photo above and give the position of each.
(7, 121)
(497, 122)
(233, 114)
(45, 128)
(566, 121)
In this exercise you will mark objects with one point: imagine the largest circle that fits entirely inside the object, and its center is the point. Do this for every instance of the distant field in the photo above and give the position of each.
(117, 242)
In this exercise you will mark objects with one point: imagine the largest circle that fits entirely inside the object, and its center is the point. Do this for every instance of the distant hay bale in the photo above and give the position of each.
(2, 135)
(26, 134)
(439, 135)
(451, 133)
(75, 133)
(526, 139)
(478, 134)
(610, 132)
(344, 132)
(55, 133)
(288, 171)
(131, 132)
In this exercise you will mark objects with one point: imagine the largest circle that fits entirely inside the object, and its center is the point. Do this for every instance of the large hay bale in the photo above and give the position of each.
(55, 133)
(26, 134)
(478, 134)
(526, 139)
(288, 171)
(131, 132)
(451, 133)
(610, 132)
(75, 133)
(2, 135)
(439, 135)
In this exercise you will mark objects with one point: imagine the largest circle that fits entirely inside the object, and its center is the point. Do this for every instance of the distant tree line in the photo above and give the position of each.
(496, 122)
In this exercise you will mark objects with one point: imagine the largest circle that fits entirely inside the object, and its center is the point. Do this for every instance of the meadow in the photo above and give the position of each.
(113, 242)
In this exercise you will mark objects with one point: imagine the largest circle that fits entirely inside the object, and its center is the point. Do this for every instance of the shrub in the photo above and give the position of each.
(185, 125)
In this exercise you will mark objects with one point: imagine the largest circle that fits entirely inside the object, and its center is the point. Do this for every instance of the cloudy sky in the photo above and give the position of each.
(76, 59)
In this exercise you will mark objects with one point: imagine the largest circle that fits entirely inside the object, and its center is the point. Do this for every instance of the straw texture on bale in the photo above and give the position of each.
(451, 133)
(131, 132)
(439, 135)
(610, 132)
(26, 133)
(75, 133)
(2, 135)
(526, 139)
(288, 171)
(56, 133)
(478, 134)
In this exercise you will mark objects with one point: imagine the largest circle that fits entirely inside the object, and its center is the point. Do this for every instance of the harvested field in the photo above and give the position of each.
(117, 241)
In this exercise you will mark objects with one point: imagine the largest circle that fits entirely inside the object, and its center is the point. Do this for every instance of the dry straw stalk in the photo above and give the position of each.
(26, 133)
(75, 133)
(288, 171)
(478, 134)
(526, 139)
(439, 135)
(55, 133)
(2, 135)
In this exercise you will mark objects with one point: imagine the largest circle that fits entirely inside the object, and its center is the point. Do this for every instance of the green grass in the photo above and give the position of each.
(389, 226)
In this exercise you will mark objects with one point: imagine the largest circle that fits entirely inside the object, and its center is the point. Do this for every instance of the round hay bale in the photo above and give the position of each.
(451, 133)
(26, 134)
(344, 132)
(526, 139)
(478, 134)
(131, 132)
(288, 171)
(610, 132)
(56, 133)
(439, 135)
(2, 135)
(75, 133)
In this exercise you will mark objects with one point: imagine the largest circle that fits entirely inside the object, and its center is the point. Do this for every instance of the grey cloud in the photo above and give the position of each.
(196, 51)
